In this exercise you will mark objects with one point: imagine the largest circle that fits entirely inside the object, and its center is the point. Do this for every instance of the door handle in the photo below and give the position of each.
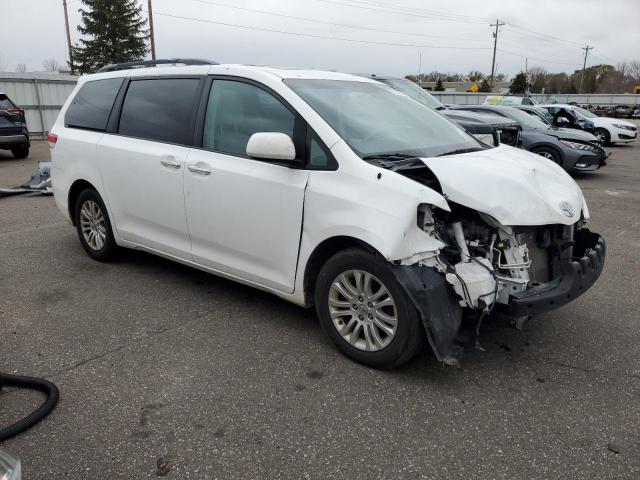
(170, 164)
(199, 170)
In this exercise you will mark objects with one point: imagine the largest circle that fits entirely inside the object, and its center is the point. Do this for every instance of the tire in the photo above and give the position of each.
(393, 345)
(94, 227)
(20, 152)
(603, 136)
(550, 154)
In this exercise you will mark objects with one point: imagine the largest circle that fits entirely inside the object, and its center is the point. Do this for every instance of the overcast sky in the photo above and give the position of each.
(33, 30)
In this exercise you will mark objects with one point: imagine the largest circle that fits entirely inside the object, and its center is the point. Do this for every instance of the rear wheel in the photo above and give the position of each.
(549, 154)
(365, 311)
(93, 226)
(20, 152)
(603, 136)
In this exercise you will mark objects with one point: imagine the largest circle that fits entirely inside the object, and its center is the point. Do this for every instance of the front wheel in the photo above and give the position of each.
(365, 311)
(93, 226)
(603, 136)
(549, 154)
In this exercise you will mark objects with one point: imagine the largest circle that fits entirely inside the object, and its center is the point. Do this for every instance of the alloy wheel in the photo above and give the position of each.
(363, 310)
(93, 225)
(547, 155)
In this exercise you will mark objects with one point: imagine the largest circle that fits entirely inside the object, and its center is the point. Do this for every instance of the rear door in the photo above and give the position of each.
(245, 215)
(142, 162)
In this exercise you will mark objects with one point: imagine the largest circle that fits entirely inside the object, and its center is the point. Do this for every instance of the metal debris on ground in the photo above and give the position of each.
(38, 183)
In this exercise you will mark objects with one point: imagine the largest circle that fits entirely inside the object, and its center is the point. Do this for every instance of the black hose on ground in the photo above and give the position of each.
(40, 384)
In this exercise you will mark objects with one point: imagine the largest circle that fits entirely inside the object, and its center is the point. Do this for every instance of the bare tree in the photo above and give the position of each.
(51, 65)
(21, 68)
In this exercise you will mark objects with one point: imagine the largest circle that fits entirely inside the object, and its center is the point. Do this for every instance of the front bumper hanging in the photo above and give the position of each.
(579, 273)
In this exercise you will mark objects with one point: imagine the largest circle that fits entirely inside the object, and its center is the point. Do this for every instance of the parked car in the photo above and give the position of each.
(325, 189)
(573, 150)
(608, 130)
(14, 134)
(562, 118)
(622, 111)
(507, 131)
(508, 100)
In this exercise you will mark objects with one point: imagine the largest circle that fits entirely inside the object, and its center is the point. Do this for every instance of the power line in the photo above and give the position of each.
(543, 35)
(534, 58)
(438, 13)
(337, 24)
(381, 8)
(284, 32)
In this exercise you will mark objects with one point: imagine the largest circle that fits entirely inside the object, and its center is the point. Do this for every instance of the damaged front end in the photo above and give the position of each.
(484, 266)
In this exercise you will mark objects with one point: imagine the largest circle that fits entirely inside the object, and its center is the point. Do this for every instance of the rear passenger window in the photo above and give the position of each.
(159, 109)
(237, 110)
(92, 104)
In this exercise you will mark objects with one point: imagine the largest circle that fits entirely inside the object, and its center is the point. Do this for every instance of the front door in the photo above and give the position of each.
(244, 215)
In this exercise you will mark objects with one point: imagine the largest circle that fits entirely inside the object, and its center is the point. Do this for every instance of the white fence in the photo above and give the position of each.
(41, 95)
(466, 98)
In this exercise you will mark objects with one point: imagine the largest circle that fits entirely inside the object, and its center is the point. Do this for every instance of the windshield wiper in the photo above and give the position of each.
(461, 150)
(388, 156)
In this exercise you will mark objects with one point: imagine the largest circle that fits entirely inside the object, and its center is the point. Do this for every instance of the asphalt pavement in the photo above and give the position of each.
(167, 371)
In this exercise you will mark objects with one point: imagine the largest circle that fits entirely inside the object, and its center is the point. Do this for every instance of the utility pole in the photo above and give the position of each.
(153, 42)
(66, 25)
(584, 65)
(526, 76)
(498, 24)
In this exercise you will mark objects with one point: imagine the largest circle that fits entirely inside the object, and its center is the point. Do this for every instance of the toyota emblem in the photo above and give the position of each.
(567, 209)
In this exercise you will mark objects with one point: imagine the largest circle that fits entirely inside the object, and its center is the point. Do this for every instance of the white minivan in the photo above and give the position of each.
(325, 189)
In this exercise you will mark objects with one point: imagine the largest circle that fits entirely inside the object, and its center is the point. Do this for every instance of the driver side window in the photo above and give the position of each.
(237, 110)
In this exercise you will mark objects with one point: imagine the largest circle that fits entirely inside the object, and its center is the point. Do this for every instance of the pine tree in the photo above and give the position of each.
(113, 32)
(518, 84)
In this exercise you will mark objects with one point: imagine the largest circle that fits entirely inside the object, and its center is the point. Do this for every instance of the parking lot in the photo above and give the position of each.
(165, 370)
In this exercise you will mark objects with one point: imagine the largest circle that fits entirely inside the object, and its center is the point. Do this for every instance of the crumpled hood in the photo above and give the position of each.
(569, 134)
(514, 186)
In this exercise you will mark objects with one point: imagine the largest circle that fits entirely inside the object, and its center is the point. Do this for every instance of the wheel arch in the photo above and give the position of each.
(323, 252)
(74, 191)
(550, 146)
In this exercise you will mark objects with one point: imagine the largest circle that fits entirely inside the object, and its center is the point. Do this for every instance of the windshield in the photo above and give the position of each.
(584, 112)
(374, 119)
(544, 115)
(414, 91)
(523, 118)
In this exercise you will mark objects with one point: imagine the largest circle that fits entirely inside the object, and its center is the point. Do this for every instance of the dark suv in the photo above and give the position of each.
(14, 135)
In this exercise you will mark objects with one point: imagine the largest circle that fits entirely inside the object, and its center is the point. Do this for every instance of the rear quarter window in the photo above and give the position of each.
(92, 104)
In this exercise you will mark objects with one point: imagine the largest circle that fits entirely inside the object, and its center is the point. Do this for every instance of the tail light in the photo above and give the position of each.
(19, 111)
(52, 138)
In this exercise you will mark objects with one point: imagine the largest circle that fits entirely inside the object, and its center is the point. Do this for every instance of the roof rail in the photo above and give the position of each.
(152, 63)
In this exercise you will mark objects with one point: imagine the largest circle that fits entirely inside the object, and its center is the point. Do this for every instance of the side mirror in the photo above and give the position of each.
(271, 146)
